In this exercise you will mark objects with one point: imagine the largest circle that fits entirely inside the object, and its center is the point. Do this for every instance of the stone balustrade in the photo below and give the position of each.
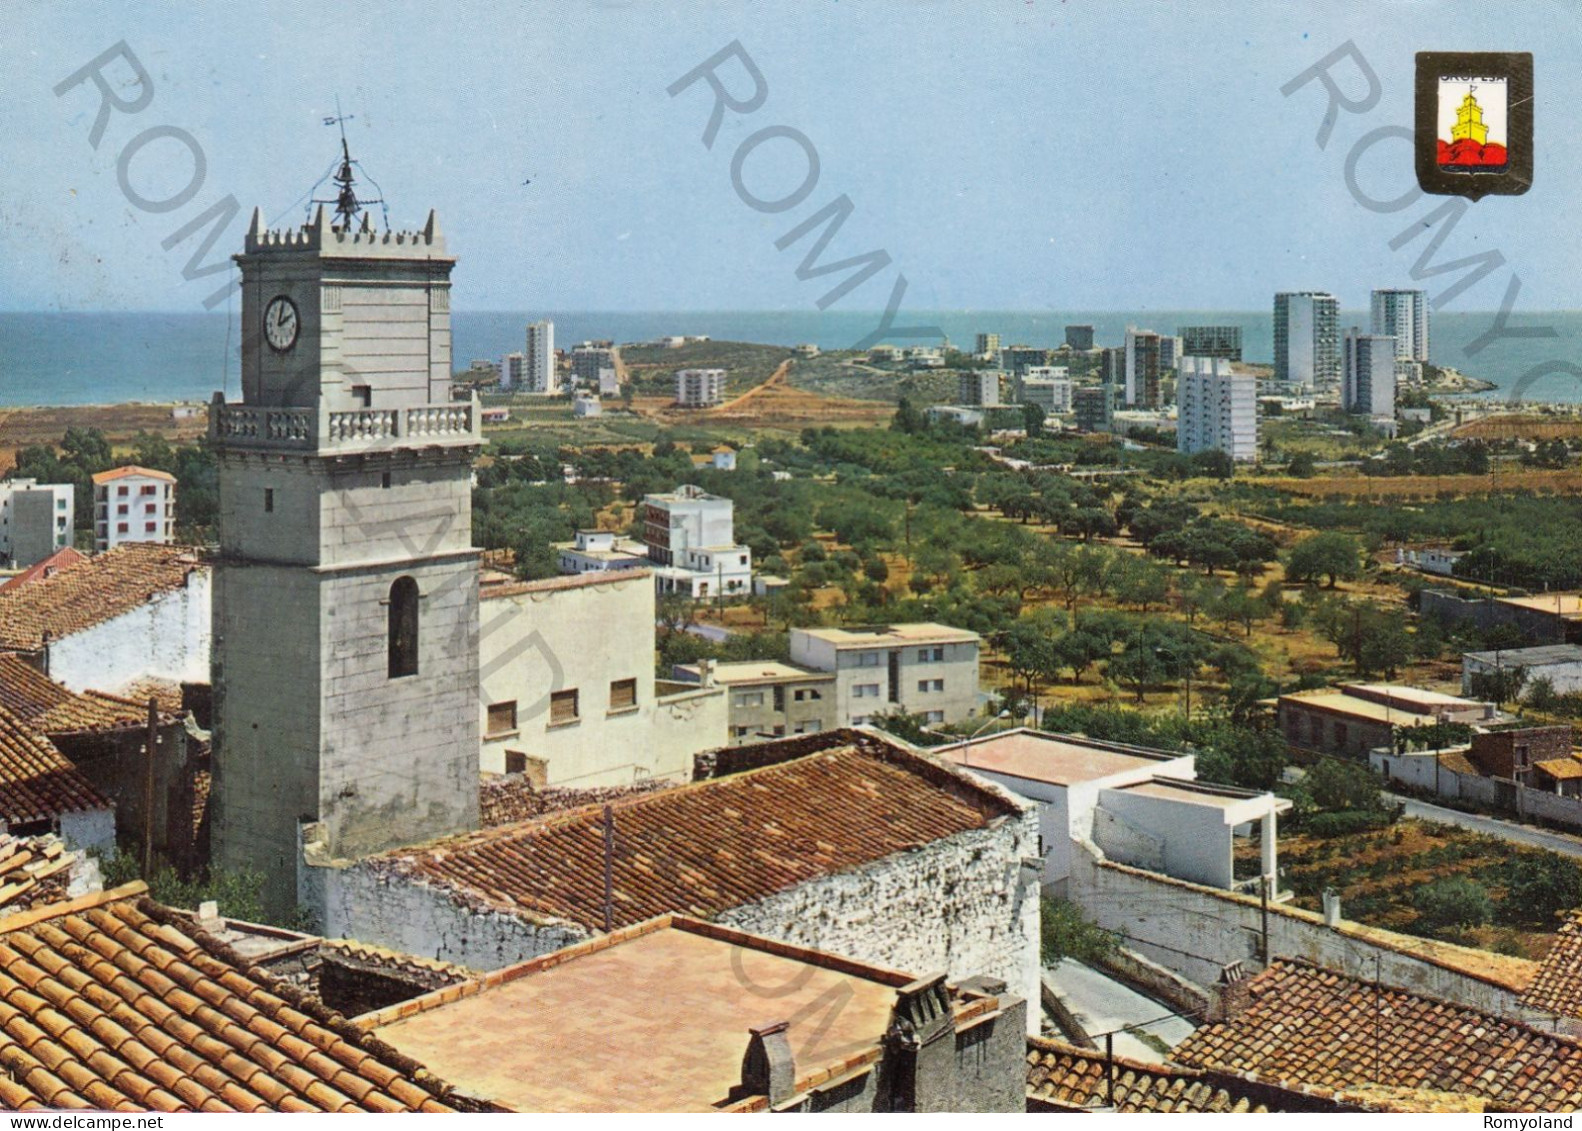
(310, 429)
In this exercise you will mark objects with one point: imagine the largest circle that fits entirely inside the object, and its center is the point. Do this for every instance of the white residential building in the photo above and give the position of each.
(584, 405)
(700, 388)
(35, 520)
(568, 694)
(979, 388)
(133, 504)
(1306, 346)
(1140, 807)
(513, 371)
(599, 551)
(1046, 386)
(1369, 385)
(930, 670)
(692, 541)
(589, 360)
(540, 375)
(768, 699)
(1403, 315)
(1218, 409)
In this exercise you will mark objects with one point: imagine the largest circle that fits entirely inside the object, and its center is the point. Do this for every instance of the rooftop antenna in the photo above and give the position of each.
(346, 203)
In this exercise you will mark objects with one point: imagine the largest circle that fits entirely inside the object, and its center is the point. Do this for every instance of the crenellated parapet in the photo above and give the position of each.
(364, 241)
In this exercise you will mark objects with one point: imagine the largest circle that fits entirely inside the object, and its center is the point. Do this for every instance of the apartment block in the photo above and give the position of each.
(768, 699)
(700, 388)
(1369, 384)
(1079, 337)
(1306, 339)
(1218, 409)
(35, 520)
(929, 670)
(692, 541)
(1143, 364)
(539, 374)
(133, 504)
(1211, 341)
(979, 387)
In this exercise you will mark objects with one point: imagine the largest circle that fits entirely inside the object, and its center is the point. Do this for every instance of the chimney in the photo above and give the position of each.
(1331, 907)
(921, 1045)
(768, 1069)
(706, 673)
(1231, 994)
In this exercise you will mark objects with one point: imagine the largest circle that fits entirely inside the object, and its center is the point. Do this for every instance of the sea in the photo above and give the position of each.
(115, 358)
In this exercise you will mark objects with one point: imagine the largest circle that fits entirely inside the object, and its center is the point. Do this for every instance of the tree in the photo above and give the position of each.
(1540, 886)
(1331, 554)
(1138, 668)
(1452, 903)
(908, 418)
(1302, 466)
(1336, 785)
(1033, 420)
(1501, 686)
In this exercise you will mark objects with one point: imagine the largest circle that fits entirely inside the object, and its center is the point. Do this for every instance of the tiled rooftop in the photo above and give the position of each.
(1557, 987)
(49, 708)
(106, 1004)
(703, 848)
(654, 1018)
(507, 800)
(37, 782)
(1314, 1026)
(40, 569)
(77, 597)
(131, 470)
(1077, 1077)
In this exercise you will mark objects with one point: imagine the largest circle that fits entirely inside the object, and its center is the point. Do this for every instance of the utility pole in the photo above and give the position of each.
(1263, 914)
(609, 868)
(148, 787)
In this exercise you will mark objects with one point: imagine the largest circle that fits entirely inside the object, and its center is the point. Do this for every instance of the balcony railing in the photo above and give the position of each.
(318, 429)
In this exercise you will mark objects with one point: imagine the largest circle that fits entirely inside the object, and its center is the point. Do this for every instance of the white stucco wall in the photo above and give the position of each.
(962, 904)
(1196, 931)
(585, 637)
(167, 637)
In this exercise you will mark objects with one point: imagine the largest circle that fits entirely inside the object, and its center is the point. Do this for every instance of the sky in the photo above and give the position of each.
(1004, 154)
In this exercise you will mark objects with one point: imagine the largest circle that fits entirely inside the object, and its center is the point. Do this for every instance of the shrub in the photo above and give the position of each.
(1346, 822)
(1066, 934)
(1452, 903)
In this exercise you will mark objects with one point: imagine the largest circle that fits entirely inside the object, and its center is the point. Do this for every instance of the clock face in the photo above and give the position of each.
(281, 323)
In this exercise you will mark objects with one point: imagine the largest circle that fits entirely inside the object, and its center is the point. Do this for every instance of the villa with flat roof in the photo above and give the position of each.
(1139, 806)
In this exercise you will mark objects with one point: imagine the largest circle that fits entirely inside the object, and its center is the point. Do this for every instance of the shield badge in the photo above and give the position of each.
(1474, 122)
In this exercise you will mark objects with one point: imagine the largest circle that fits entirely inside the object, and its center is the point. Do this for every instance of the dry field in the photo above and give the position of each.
(23, 427)
(1366, 487)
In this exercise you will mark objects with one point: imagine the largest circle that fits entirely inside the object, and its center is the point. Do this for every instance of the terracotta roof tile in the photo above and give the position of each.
(703, 848)
(51, 708)
(106, 1002)
(1557, 987)
(43, 568)
(83, 594)
(37, 782)
(1317, 1026)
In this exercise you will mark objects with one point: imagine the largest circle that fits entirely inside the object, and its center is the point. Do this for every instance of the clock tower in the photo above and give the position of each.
(345, 656)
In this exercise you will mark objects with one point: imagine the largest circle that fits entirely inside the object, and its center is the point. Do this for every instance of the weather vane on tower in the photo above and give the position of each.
(346, 202)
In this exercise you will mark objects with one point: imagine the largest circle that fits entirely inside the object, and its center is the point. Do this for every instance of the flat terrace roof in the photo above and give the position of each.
(1568, 605)
(879, 635)
(737, 673)
(1056, 759)
(1339, 703)
(653, 1018)
(1209, 796)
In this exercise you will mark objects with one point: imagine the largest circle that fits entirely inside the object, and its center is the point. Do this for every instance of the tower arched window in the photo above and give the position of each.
(403, 627)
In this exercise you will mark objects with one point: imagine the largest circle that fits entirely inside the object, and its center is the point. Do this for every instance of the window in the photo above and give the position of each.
(269, 500)
(934, 716)
(60, 504)
(148, 489)
(120, 492)
(384, 481)
(860, 720)
(152, 508)
(563, 707)
(515, 762)
(502, 717)
(623, 694)
(809, 726)
(807, 694)
(865, 691)
(931, 685)
(741, 732)
(403, 640)
(867, 659)
(121, 509)
(121, 528)
(362, 395)
(749, 698)
(150, 527)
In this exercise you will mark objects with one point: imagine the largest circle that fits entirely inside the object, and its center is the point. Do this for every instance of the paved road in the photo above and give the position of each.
(1103, 1005)
(1493, 826)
